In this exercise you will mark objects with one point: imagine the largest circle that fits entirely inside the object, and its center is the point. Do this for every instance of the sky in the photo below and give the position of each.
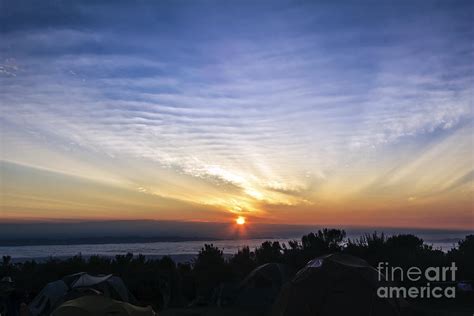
(298, 112)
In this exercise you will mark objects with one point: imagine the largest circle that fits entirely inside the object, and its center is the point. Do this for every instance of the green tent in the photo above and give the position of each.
(97, 305)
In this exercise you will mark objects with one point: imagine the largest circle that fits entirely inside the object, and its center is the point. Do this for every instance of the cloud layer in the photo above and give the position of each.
(245, 107)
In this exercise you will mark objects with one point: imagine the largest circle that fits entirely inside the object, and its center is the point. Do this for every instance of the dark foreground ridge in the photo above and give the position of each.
(259, 282)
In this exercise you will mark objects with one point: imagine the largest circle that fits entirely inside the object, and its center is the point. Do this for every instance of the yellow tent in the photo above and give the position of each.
(96, 305)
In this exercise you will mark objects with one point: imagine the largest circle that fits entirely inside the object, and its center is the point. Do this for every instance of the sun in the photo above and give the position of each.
(240, 220)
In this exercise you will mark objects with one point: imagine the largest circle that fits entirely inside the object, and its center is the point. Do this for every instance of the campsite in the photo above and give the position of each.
(236, 158)
(318, 275)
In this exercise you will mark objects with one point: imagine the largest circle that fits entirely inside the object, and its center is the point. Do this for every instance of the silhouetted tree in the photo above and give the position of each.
(210, 270)
(463, 256)
(188, 282)
(7, 266)
(243, 262)
(402, 250)
(371, 247)
(293, 255)
(323, 242)
(269, 252)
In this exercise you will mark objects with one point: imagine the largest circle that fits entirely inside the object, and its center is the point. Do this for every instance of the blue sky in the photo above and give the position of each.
(266, 108)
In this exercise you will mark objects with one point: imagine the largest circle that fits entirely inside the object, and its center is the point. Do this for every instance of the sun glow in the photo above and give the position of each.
(240, 220)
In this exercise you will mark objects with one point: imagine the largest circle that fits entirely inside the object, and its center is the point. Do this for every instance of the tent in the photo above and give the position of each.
(260, 288)
(87, 280)
(77, 285)
(49, 297)
(97, 305)
(269, 274)
(117, 288)
(335, 284)
(109, 285)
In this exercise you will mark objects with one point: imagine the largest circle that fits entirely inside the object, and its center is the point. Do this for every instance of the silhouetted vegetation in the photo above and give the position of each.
(162, 283)
(464, 257)
(400, 250)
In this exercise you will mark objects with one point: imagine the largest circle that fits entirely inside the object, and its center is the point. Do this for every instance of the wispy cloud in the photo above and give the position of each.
(277, 110)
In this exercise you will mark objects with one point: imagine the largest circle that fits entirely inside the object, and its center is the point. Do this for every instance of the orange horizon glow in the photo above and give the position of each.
(431, 190)
(42, 195)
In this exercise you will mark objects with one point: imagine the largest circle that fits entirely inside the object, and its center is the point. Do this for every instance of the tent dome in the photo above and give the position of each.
(77, 285)
(260, 288)
(335, 284)
(97, 305)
